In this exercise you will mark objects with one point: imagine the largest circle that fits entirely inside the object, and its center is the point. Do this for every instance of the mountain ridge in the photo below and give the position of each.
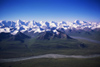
(14, 26)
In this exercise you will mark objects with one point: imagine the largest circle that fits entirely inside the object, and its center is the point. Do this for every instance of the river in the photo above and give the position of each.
(54, 55)
(47, 56)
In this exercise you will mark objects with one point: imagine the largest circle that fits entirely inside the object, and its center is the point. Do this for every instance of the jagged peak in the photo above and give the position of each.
(41, 26)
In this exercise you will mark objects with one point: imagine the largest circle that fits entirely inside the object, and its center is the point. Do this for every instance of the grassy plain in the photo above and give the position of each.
(29, 48)
(33, 47)
(63, 62)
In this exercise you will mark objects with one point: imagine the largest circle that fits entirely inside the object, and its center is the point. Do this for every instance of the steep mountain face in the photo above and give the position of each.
(14, 26)
(9, 37)
(48, 35)
(5, 36)
(59, 40)
(31, 34)
(62, 34)
(19, 37)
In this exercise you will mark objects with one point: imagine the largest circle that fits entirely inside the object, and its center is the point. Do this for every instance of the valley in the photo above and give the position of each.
(28, 42)
(49, 33)
(34, 47)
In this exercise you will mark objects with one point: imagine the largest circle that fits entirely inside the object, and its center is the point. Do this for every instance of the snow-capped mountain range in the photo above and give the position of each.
(14, 26)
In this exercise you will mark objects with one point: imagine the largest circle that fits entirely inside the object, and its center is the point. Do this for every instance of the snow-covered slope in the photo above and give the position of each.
(14, 26)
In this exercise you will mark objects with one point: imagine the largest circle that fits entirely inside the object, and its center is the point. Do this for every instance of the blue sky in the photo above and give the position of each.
(50, 10)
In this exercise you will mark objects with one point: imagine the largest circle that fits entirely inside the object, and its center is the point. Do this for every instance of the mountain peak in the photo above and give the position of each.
(20, 37)
(48, 35)
(6, 26)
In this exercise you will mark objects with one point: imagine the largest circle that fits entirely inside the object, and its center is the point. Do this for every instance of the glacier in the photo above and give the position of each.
(21, 25)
